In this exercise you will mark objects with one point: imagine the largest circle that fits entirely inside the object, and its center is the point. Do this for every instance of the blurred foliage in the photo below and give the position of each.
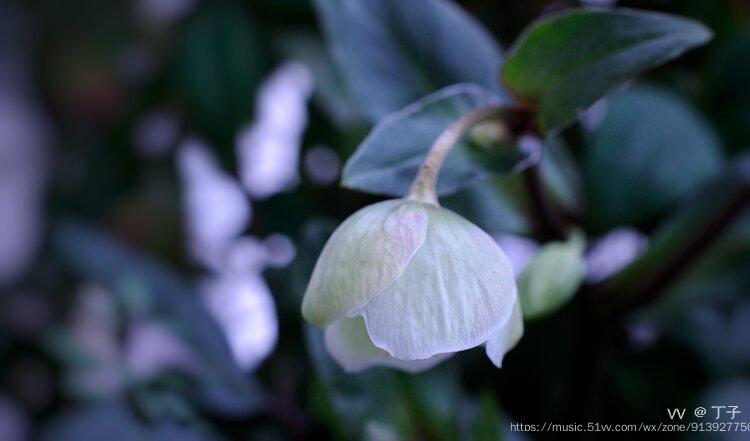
(661, 154)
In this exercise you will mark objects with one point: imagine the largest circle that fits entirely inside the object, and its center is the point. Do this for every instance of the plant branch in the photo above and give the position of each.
(621, 295)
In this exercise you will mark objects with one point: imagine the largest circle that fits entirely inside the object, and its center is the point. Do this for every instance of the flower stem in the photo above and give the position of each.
(424, 187)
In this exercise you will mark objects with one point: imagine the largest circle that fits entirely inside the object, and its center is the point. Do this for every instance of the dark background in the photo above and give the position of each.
(78, 183)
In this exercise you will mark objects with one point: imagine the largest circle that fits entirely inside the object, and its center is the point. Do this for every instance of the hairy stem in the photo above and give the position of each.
(424, 187)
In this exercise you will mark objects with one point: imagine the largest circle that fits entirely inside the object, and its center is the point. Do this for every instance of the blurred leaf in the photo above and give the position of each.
(393, 52)
(93, 255)
(115, 421)
(567, 61)
(387, 161)
(488, 425)
(561, 175)
(496, 204)
(552, 277)
(707, 308)
(220, 61)
(358, 398)
(721, 197)
(651, 151)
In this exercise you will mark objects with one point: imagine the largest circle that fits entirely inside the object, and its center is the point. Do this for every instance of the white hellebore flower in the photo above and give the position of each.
(406, 283)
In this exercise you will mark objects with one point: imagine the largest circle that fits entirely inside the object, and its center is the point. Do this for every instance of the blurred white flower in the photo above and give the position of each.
(155, 133)
(406, 284)
(322, 165)
(245, 254)
(613, 252)
(519, 250)
(235, 294)
(24, 139)
(216, 209)
(268, 148)
(243, 306)
(593, 117)
(280, 250)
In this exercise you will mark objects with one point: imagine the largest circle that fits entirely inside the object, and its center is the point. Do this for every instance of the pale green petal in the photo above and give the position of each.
(552, 277)
(347, 341)
(366, 253)
(457, 291)
(507, 337)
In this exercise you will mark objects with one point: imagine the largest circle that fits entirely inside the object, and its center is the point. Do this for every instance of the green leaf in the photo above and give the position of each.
(565, 62)
(551, 278)
(94, 255)
(220, 61)
(393, 52)
(386, 162)
(651, 151)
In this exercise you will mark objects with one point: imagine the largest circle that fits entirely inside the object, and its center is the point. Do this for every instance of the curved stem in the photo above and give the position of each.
(423, 189)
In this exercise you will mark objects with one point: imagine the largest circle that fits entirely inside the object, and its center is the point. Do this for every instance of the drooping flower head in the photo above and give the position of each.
(406, 283)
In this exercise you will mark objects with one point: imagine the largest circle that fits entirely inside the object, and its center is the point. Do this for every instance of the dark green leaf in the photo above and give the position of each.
(651, 150)
(386, 162)
(220, 61)
(564, 63)
(393, 52)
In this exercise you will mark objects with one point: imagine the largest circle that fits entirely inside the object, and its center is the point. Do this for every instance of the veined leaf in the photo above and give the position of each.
(565, 62)
(386, 162)
(394, 52)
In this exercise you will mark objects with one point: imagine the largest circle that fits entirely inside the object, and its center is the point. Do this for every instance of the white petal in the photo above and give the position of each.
(243, 307)
(456, 292)
(216, 209)
(365, 254)
(613, 252)
(507, 337)
(347, 341)
(268, 148)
